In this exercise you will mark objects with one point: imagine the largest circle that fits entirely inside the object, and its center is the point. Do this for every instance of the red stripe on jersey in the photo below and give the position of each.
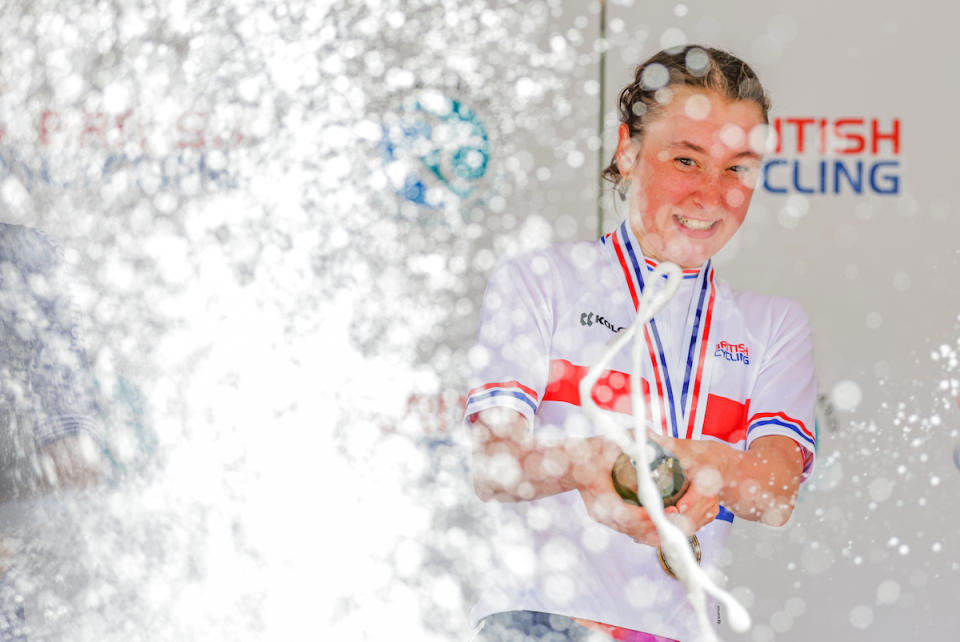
(725, 419)
(611, 392)
(703, 349)
(787, 418)
(505, 384)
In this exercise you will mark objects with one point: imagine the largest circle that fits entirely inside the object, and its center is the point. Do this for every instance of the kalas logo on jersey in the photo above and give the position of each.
(733, 352)
(834, 156)
(588, 318)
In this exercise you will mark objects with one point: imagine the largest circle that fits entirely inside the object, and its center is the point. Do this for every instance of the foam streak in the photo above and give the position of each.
(660, 289)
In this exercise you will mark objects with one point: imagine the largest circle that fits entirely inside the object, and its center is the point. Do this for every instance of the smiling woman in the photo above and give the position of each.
(728, 375)
(691, 177)
(692, 133)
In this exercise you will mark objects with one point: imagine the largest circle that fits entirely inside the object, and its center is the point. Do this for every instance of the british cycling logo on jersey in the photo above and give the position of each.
(733, 352)
(589, 318)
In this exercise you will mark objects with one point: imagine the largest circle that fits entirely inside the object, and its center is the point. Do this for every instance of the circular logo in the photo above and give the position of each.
(435, 151)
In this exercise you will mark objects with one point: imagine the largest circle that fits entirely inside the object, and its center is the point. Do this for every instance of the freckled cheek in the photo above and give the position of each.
(735, 198)
(675, 191)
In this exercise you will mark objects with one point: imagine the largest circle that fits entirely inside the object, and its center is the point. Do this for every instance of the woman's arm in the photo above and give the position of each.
(759, 484)
(510, 465)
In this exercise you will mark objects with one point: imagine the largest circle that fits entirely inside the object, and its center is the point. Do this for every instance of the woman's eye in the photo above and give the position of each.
(685, 162)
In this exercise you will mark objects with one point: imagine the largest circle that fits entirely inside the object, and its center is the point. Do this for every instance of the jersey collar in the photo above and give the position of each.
(625, 247)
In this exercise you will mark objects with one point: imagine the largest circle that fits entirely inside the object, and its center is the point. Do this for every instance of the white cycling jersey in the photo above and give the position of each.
(723, 365)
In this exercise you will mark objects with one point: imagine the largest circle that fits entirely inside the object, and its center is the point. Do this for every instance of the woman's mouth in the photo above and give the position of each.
(694, 224)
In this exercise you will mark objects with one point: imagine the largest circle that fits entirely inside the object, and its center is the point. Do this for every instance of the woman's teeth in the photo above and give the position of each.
(694, 224)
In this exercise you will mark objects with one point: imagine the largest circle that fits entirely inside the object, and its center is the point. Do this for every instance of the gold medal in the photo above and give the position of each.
(671, 482)
(694, 544)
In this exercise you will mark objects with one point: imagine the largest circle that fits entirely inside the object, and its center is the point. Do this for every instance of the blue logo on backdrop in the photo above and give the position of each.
(435, 151)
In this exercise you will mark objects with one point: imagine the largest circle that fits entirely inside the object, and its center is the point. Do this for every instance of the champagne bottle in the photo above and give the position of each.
(668, 475)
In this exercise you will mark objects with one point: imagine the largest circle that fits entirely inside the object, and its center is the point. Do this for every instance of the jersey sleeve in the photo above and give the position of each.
(510, 361)
(783, 401)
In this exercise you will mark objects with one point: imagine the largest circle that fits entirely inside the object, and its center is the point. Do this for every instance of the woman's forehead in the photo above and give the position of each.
(694, 110)
(699, 103)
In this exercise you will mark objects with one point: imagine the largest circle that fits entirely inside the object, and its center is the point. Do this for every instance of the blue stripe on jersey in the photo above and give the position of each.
(725, 515)
(778, 422)
(512, 393)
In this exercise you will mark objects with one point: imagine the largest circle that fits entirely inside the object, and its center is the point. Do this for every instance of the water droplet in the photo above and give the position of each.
(654, 76)
(846, 395)
(888, 592)
(880, 489)
(663, 96)
(697, 107)
(735, 198)
(795, 606)
(781, 621)
(861, 616)
(901, 282)
(733, 135)
(697, 61)
(672, 38)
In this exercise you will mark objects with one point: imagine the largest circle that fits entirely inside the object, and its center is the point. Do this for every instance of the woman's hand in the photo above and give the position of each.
(698, 507)
(605, 505)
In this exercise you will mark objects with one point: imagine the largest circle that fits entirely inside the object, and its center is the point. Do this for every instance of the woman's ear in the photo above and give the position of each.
(627, 150)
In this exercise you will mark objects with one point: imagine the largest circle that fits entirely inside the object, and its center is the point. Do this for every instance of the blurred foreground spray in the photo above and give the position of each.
(260, 298)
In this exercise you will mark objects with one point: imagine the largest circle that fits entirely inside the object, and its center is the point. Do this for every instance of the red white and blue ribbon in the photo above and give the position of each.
(679, 397)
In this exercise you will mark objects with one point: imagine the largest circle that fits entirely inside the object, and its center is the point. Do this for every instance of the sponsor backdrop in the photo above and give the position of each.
(216, 200)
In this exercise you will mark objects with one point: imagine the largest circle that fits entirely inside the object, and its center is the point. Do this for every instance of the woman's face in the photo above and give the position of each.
(693, 174)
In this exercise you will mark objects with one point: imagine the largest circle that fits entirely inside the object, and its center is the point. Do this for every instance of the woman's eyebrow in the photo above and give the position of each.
(685, 144)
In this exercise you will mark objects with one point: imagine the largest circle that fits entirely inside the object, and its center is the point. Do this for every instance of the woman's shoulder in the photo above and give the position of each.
(766, 309)
(556, 258)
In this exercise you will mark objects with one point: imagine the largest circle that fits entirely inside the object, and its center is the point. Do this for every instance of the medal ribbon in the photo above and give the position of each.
(679, 406)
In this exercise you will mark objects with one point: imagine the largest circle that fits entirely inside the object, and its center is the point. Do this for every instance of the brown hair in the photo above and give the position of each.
(692, 66)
